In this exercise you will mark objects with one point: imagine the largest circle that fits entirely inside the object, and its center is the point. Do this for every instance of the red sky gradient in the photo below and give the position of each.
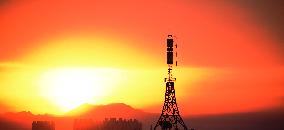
(230, 60)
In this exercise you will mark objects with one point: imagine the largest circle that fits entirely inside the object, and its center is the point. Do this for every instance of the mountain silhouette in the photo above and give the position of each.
(20, 120)
(100, 112)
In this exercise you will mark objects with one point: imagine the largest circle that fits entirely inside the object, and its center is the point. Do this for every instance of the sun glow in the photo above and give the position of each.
(70, 87)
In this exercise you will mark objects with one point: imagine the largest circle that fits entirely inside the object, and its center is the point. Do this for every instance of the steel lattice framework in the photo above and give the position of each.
(170, 118)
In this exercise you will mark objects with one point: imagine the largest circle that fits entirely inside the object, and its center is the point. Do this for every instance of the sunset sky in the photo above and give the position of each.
(58, 54)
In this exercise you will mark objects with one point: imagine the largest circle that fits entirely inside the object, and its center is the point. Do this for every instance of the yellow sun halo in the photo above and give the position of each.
(71, 87)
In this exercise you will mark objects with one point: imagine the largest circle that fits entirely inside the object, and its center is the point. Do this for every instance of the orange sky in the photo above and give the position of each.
(230, 59)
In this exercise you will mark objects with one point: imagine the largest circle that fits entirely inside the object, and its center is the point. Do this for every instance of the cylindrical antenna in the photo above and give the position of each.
(170, 49)
(176, 53)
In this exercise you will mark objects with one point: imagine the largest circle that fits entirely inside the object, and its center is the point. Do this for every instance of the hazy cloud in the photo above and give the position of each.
(269, 14)
(11, 65)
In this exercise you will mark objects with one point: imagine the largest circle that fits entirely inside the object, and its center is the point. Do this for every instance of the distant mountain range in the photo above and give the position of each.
(100, 112)
(271, 119)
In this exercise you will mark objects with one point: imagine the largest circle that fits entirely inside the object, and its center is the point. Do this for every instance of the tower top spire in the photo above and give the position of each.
(170, 58)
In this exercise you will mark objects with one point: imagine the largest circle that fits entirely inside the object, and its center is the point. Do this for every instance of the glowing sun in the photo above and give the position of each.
(71, 87)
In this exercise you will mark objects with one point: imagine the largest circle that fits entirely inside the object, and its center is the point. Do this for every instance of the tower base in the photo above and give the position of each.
(170, 118)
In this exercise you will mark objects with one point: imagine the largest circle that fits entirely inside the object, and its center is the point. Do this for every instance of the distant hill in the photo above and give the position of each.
(100, 112)
(23, 120)
(16, 121)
